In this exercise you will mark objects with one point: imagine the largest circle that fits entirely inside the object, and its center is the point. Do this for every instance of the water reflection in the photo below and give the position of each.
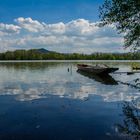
(64, 101)
(104, 79)
(29, 65)
(30, 81)
(131, 121)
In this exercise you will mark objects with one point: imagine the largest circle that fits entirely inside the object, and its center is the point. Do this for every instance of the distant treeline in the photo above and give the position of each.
(39, 55)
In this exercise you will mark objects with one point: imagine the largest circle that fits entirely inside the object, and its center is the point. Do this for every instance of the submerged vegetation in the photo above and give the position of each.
(42, 54)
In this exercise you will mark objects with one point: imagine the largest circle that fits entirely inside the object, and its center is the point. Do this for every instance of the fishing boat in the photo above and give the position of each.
(97, 69)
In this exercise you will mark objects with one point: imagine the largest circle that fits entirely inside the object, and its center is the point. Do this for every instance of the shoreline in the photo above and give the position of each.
(2, 61)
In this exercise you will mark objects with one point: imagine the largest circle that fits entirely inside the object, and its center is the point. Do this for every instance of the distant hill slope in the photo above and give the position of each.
(42, 50)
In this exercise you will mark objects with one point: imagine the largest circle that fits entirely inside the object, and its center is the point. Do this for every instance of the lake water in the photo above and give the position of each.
(52, 101)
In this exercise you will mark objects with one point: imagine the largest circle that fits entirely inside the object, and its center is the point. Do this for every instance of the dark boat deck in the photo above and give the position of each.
(96, 69)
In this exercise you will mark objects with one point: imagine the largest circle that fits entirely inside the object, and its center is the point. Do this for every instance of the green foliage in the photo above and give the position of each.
(125, 14)
(35, 55)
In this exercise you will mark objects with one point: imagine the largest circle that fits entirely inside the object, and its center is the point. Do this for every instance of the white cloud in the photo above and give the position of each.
(58, 28)
(29, 24)
(79, 35)
(9, 28)
(78, 27)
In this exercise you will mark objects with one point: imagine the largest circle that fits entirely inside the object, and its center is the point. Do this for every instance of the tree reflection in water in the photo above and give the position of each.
(135, 84)
(131, 114)
(131, 121)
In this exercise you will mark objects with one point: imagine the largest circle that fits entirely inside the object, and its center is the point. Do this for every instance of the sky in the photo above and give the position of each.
(58, 25)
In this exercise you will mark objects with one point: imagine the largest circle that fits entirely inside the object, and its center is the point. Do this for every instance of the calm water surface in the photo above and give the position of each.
(53, 101)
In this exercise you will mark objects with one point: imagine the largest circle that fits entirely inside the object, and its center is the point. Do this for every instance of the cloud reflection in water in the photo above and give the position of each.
(29, 84)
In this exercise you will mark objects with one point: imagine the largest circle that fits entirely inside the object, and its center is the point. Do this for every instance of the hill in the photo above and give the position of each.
(42, 50)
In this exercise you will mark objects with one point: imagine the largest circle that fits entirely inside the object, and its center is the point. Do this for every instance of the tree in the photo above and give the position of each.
(125, 15)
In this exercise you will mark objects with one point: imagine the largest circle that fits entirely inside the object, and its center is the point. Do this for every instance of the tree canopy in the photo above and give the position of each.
(36, 54)
(125, 15)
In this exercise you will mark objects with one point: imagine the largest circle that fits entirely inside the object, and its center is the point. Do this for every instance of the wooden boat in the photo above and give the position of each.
(104, 79)
(98, 69)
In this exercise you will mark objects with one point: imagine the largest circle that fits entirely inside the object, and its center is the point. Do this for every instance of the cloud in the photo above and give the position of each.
(81, 36)
(58, 28)
(8, 29)
(29, 24)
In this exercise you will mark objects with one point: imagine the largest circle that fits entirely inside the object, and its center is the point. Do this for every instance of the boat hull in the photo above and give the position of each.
(96, 69)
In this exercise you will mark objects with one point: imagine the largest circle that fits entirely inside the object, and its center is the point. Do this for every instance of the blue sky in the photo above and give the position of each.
(49, 10)
(58, 25)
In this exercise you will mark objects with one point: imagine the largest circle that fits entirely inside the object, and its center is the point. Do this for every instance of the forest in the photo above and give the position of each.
(42, 54)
